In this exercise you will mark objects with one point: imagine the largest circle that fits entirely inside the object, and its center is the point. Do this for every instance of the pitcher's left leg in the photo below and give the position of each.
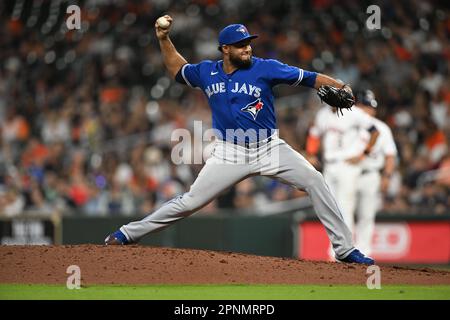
(295, 170)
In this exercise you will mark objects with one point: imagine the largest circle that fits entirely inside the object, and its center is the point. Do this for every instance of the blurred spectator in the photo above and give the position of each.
(432, 197)
(117, 201)
(435, 145)
(244, 194)
(12, 203)
(443, 174)
(55, 128)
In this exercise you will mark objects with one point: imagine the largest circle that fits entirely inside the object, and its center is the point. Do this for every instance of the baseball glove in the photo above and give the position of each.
(340, 98)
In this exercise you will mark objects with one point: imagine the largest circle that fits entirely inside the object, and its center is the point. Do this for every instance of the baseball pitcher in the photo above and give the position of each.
(239, 92)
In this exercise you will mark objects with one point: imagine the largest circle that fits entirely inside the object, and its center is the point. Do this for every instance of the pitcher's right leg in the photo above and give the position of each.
(214, 177)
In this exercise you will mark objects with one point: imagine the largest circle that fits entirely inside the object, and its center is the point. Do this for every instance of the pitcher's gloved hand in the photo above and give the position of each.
(340, 98)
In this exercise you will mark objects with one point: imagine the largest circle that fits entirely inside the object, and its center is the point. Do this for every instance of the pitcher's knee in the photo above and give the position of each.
(190, 202)
(314, 179)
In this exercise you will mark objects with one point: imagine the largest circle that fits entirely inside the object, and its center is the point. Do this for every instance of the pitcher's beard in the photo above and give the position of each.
(239, 63)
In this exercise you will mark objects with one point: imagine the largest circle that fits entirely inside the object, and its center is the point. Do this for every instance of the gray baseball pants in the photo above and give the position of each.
(231, 163)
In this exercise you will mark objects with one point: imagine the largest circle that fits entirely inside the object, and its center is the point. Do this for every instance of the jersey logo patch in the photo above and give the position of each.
(254, 108)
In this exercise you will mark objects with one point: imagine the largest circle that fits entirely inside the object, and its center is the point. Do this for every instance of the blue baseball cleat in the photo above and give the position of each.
(357, 257)
(116, 238)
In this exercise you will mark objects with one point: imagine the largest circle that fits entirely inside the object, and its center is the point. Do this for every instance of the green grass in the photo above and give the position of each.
(223, 292)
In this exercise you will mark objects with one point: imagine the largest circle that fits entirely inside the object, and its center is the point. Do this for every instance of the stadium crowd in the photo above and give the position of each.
(87, 115)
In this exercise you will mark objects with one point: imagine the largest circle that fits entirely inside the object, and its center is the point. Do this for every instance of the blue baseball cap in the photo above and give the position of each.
(234, 33)
(367, 98)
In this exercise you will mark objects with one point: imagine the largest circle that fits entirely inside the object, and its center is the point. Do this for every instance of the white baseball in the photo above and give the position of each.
(163, 22)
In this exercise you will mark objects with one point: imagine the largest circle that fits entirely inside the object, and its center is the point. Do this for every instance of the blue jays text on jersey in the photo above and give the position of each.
(244, 98)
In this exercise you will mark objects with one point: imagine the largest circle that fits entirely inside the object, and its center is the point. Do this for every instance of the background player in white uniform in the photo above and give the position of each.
(343, 151)
(240, 96)
(377, 169)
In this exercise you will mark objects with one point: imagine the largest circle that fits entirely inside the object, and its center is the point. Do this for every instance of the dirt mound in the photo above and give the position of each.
(150, 265)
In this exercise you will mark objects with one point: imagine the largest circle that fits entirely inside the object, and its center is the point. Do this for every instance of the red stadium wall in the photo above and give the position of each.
(405, 242)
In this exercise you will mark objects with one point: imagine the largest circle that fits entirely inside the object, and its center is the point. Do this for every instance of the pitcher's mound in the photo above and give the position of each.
(150, 265)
